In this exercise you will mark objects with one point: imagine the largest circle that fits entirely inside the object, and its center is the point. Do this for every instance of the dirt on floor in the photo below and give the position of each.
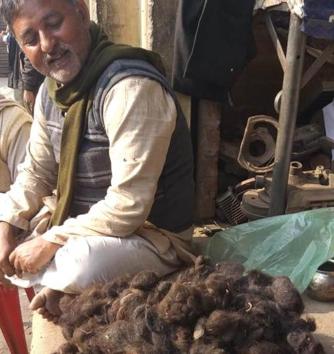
(323, 313)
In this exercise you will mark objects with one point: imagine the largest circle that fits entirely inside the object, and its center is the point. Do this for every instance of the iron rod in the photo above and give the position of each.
(288, 115)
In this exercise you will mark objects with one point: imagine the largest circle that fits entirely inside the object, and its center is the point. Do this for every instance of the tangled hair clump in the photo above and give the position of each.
(203, 309)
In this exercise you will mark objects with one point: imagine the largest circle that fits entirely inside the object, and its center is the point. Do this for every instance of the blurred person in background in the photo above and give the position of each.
(23, 78)
(15, 123)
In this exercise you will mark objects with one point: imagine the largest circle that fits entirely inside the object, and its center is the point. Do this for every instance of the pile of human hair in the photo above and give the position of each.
(203, 309)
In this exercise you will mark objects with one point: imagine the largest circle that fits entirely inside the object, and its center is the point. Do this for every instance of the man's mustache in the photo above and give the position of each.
(56, 53)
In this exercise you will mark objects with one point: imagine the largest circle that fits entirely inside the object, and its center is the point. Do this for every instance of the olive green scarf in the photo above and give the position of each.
(75, 99)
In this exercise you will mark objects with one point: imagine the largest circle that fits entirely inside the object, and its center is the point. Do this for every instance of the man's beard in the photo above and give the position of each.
(63, 72)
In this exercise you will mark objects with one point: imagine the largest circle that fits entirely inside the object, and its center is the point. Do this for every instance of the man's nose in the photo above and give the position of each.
(47, 42)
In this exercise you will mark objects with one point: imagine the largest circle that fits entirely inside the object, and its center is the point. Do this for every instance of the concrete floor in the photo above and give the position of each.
(323, 313)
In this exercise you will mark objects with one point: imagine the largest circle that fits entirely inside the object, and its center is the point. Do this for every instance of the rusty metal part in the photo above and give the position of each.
(245, 185)
(310, 190)
(306, 190)
(255, 204)
(228, 208)
(228, 204)
(258, 144)
(320, 159)
(257, 149)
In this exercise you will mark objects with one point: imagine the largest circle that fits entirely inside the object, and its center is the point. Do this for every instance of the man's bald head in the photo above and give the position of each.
(10, 8)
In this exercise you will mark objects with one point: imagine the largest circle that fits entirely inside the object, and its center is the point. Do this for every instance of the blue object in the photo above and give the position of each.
(294, 245)
(319, 18)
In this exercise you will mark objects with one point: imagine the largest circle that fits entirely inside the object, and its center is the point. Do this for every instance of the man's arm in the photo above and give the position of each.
(139, 118)
(36, 178)
(15, 132)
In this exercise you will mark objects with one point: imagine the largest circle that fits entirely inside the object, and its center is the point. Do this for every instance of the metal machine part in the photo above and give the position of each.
(228, 208)
(228, 204)
(257, 148)
(277, 101)
(306, 190)
(321, 287)
(309, 139)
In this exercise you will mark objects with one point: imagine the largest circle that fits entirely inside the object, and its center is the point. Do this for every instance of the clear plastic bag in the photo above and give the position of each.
(294, 245)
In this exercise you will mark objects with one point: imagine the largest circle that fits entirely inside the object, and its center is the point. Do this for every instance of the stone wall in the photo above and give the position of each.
(120, 19)
(163, 21)
(146, 23)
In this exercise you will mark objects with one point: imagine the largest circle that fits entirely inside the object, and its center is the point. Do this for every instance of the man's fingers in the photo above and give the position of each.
(7, 245)
(12, 257)
(5, 282)
(8, 269)
(33, 270)
(18, 272)
(15, 261)
(17, 266)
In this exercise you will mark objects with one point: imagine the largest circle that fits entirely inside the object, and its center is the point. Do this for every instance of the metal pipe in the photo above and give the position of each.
(276, 41)
(288, 115)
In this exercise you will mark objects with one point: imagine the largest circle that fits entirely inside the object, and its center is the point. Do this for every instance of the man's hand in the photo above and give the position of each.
(29, 100)
(7, 245)
(32, 256)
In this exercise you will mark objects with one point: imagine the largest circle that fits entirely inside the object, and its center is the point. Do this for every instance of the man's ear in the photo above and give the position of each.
(83, 11)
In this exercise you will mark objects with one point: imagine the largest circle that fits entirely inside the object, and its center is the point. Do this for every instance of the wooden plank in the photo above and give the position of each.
(209, 117)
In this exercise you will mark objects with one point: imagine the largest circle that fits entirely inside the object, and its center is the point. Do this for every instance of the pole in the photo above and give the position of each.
(288, 115)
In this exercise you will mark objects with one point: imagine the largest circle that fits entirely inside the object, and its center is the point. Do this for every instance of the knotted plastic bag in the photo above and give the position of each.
(294, 245)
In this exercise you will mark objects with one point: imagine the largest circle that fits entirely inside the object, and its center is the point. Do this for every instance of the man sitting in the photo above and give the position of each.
(109, 135)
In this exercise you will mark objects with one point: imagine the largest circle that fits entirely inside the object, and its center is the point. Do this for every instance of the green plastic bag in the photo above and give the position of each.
(294, 245)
